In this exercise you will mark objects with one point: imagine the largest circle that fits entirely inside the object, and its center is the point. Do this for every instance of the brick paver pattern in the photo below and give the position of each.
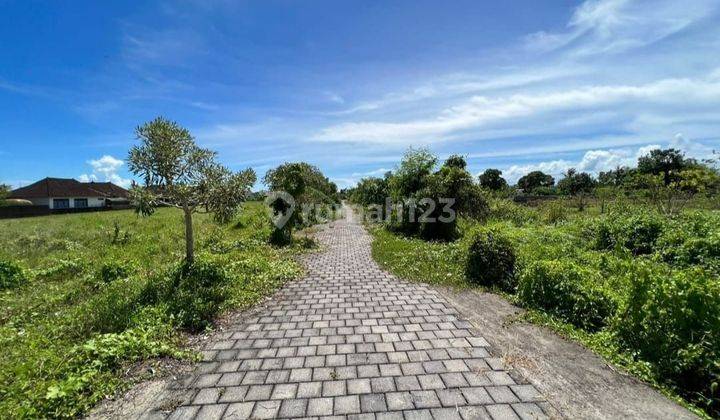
(351, 340)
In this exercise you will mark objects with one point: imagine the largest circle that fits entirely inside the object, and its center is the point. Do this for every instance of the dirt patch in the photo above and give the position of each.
(575, 381)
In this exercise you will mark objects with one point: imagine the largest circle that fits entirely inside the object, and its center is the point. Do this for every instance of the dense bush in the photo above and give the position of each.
(637, 232)
(671, 320)
(491, 260)
(11, 275)
(566, 290)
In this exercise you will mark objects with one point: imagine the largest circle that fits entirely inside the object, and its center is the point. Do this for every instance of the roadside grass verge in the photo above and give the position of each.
(97, 292)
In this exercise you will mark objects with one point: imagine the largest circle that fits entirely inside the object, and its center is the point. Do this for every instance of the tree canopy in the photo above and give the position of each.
(492, 180)
(178, 173)
(534, 180)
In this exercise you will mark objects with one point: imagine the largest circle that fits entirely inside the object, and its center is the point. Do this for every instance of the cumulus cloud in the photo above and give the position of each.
(105, 169)
(596, 161)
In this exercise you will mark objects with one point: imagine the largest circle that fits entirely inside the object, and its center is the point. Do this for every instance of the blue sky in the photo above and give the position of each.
(350, 85)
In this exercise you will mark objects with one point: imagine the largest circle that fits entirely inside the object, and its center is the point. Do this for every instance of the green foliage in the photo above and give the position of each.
(411, 176)
(176, 172)
(566, 290)
(194, 293)
(4, 191)
(517, 214)
(492, 180)
(69, 338)
(113, 270)
(306, 187)
(534, 180)
(665, 162)
(638, 286)
(11, 275)
(371, 191)
(491, 260)
(637, 232)
(555, 212)
(671, 320)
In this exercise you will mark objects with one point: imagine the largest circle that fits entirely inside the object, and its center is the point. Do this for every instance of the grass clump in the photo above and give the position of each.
(11, 275)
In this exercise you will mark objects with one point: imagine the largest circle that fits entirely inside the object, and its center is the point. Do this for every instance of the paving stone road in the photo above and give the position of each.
(351, 340)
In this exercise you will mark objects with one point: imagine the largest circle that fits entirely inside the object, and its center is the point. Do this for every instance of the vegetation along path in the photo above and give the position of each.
(350, 339)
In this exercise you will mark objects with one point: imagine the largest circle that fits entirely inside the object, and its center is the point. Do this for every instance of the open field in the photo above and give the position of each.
(99, 291)
(639, 288)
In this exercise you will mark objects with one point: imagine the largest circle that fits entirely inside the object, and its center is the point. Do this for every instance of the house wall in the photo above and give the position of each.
(92, 201)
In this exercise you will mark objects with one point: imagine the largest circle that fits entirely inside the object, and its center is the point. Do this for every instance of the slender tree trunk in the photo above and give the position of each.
(189, 237)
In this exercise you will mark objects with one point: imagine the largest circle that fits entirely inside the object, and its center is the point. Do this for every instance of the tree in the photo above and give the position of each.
(297, 184)
(492, 180)
(411, 175)
(452, 181)
(699, 180)
(668, 162)
(371, 191)
(535, 179)
(617, 177)
(577, 184)
(178, 173)
(456, 161)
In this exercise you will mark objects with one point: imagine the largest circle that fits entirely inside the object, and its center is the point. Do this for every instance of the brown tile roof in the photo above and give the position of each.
(64, 187)
(109, 189)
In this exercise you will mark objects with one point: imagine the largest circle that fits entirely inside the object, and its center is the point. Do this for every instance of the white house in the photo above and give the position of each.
(63, 193)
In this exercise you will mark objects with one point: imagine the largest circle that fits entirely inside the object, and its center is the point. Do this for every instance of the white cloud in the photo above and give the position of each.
(483, 112)
(606, 26)
(596, 161)
(106, 169)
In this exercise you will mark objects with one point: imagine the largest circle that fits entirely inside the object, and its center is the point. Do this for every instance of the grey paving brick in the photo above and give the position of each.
(348, 404)
(501, 412)
(431, 381)
(309, 390)
(258, 392)
(359, 386)
(382, 384)
(293, 408)
(333, 388)
(241, 410)
(425, 399)
(372, 403)
(266, 409)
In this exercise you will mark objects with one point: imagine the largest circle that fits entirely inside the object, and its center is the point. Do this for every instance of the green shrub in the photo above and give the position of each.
(519, 215)
(637, 233)
(113, 270)
(671, 320)
(195, 294)
(11, 275)
(555, 211)
(491, 260)
(566, 290)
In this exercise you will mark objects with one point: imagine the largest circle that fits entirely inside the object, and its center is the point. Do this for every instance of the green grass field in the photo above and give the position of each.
(640, 288)
(98, 292)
